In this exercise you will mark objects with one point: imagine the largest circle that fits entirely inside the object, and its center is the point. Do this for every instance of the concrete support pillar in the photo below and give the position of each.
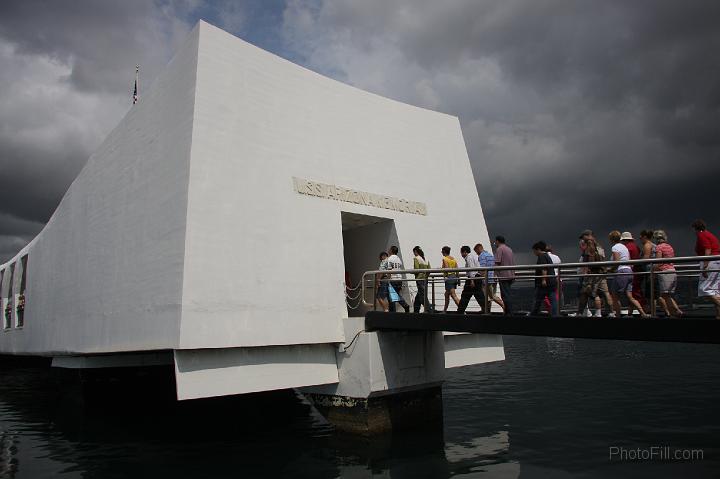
(388, 381)
(396, 411)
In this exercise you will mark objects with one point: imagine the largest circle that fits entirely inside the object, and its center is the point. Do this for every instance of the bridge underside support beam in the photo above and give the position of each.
(634, 329)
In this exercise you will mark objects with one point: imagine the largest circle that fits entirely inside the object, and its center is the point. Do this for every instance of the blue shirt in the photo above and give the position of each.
(487, 260)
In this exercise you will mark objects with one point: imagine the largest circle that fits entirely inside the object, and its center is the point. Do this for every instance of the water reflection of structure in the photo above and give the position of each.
(8, 452)
(256, 435)
(486, 454)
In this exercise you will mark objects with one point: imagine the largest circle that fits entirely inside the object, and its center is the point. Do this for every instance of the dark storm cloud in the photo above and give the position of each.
(68, 71)
(102, 40)
(576, 114)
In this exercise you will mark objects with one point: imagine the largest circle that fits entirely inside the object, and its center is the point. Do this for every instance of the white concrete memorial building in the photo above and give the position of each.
(214, 227)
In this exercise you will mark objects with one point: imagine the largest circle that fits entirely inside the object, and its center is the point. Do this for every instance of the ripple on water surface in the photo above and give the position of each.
(552, 409)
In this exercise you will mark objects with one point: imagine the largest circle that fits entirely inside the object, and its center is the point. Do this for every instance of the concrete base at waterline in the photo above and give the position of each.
(400, 411)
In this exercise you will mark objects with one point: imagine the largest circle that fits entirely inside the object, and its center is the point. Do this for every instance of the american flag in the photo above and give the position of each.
(135, 91)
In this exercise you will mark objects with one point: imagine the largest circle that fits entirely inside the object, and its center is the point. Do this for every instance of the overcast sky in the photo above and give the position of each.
(586, 114)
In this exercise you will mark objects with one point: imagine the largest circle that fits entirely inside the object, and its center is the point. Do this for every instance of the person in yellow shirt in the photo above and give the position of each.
(451, 279)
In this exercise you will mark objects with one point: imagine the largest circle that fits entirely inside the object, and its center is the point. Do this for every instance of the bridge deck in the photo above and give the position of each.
(686, 330)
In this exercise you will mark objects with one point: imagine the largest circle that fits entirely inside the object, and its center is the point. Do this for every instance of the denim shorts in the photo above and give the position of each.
(382, 291)
(451, 284)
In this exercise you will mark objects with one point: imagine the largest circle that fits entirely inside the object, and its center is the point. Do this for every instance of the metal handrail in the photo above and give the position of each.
(433, 273)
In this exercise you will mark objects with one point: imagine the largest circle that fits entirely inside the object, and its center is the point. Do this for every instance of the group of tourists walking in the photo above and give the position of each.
(635, 284)
(477, 283)
(597, 282)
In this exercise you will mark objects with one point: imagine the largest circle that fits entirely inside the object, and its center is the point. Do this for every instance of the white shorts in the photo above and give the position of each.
(667, 282)
(710, 286)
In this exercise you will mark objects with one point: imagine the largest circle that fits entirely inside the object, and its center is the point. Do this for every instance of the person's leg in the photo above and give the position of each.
(391, 306)
(383, 304)
(716, 299)
(382, 297)
(615, 300)
(674, 308)
(537, 301)
(582, 301)
(664, 287)
(600, 290)
(604, 291)
(540, 294)
(553, 297)
(447, 295)
(594, 299)
(419, 296)
(623, 287)
(427, 306)
(609, 300)
(597, 302)
(632, 302)
(663, 300)
(465, 297)
(401, 301)
(637, 290)
(713, 286)
(547, 305)
(672, 304)
(506, 292)
(479, 295)
(453, 294)
(495, 297)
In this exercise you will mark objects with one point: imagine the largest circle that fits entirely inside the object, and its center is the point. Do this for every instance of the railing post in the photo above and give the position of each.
(486, 292)
(652, 291)
(559, 291)
(692, 288)
(374, 292)
(433, 293)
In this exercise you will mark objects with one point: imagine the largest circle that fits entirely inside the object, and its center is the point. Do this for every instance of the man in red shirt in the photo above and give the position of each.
(627, 239)
(708, 245)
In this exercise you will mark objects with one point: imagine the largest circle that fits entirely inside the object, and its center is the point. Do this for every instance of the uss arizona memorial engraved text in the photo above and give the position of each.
(339, 193)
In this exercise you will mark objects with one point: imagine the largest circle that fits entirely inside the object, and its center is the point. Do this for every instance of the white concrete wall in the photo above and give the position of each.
(264, 265)
(105, 274)
(184, 230)
(467, 349)
(220, 372)
(385, 362)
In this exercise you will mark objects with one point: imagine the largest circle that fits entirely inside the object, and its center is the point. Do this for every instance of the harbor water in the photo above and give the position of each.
(554, 408)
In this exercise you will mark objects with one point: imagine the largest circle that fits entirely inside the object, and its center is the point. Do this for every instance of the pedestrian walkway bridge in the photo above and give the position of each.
(696, 326)
(686, 330)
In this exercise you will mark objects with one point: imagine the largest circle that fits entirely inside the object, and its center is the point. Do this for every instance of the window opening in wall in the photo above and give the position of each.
(20, 304)
(8, 298)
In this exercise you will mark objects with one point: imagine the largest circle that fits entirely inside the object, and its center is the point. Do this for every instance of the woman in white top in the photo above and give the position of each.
(622, 283)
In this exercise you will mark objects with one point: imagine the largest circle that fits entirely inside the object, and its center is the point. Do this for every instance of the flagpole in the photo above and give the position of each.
(137, 77)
